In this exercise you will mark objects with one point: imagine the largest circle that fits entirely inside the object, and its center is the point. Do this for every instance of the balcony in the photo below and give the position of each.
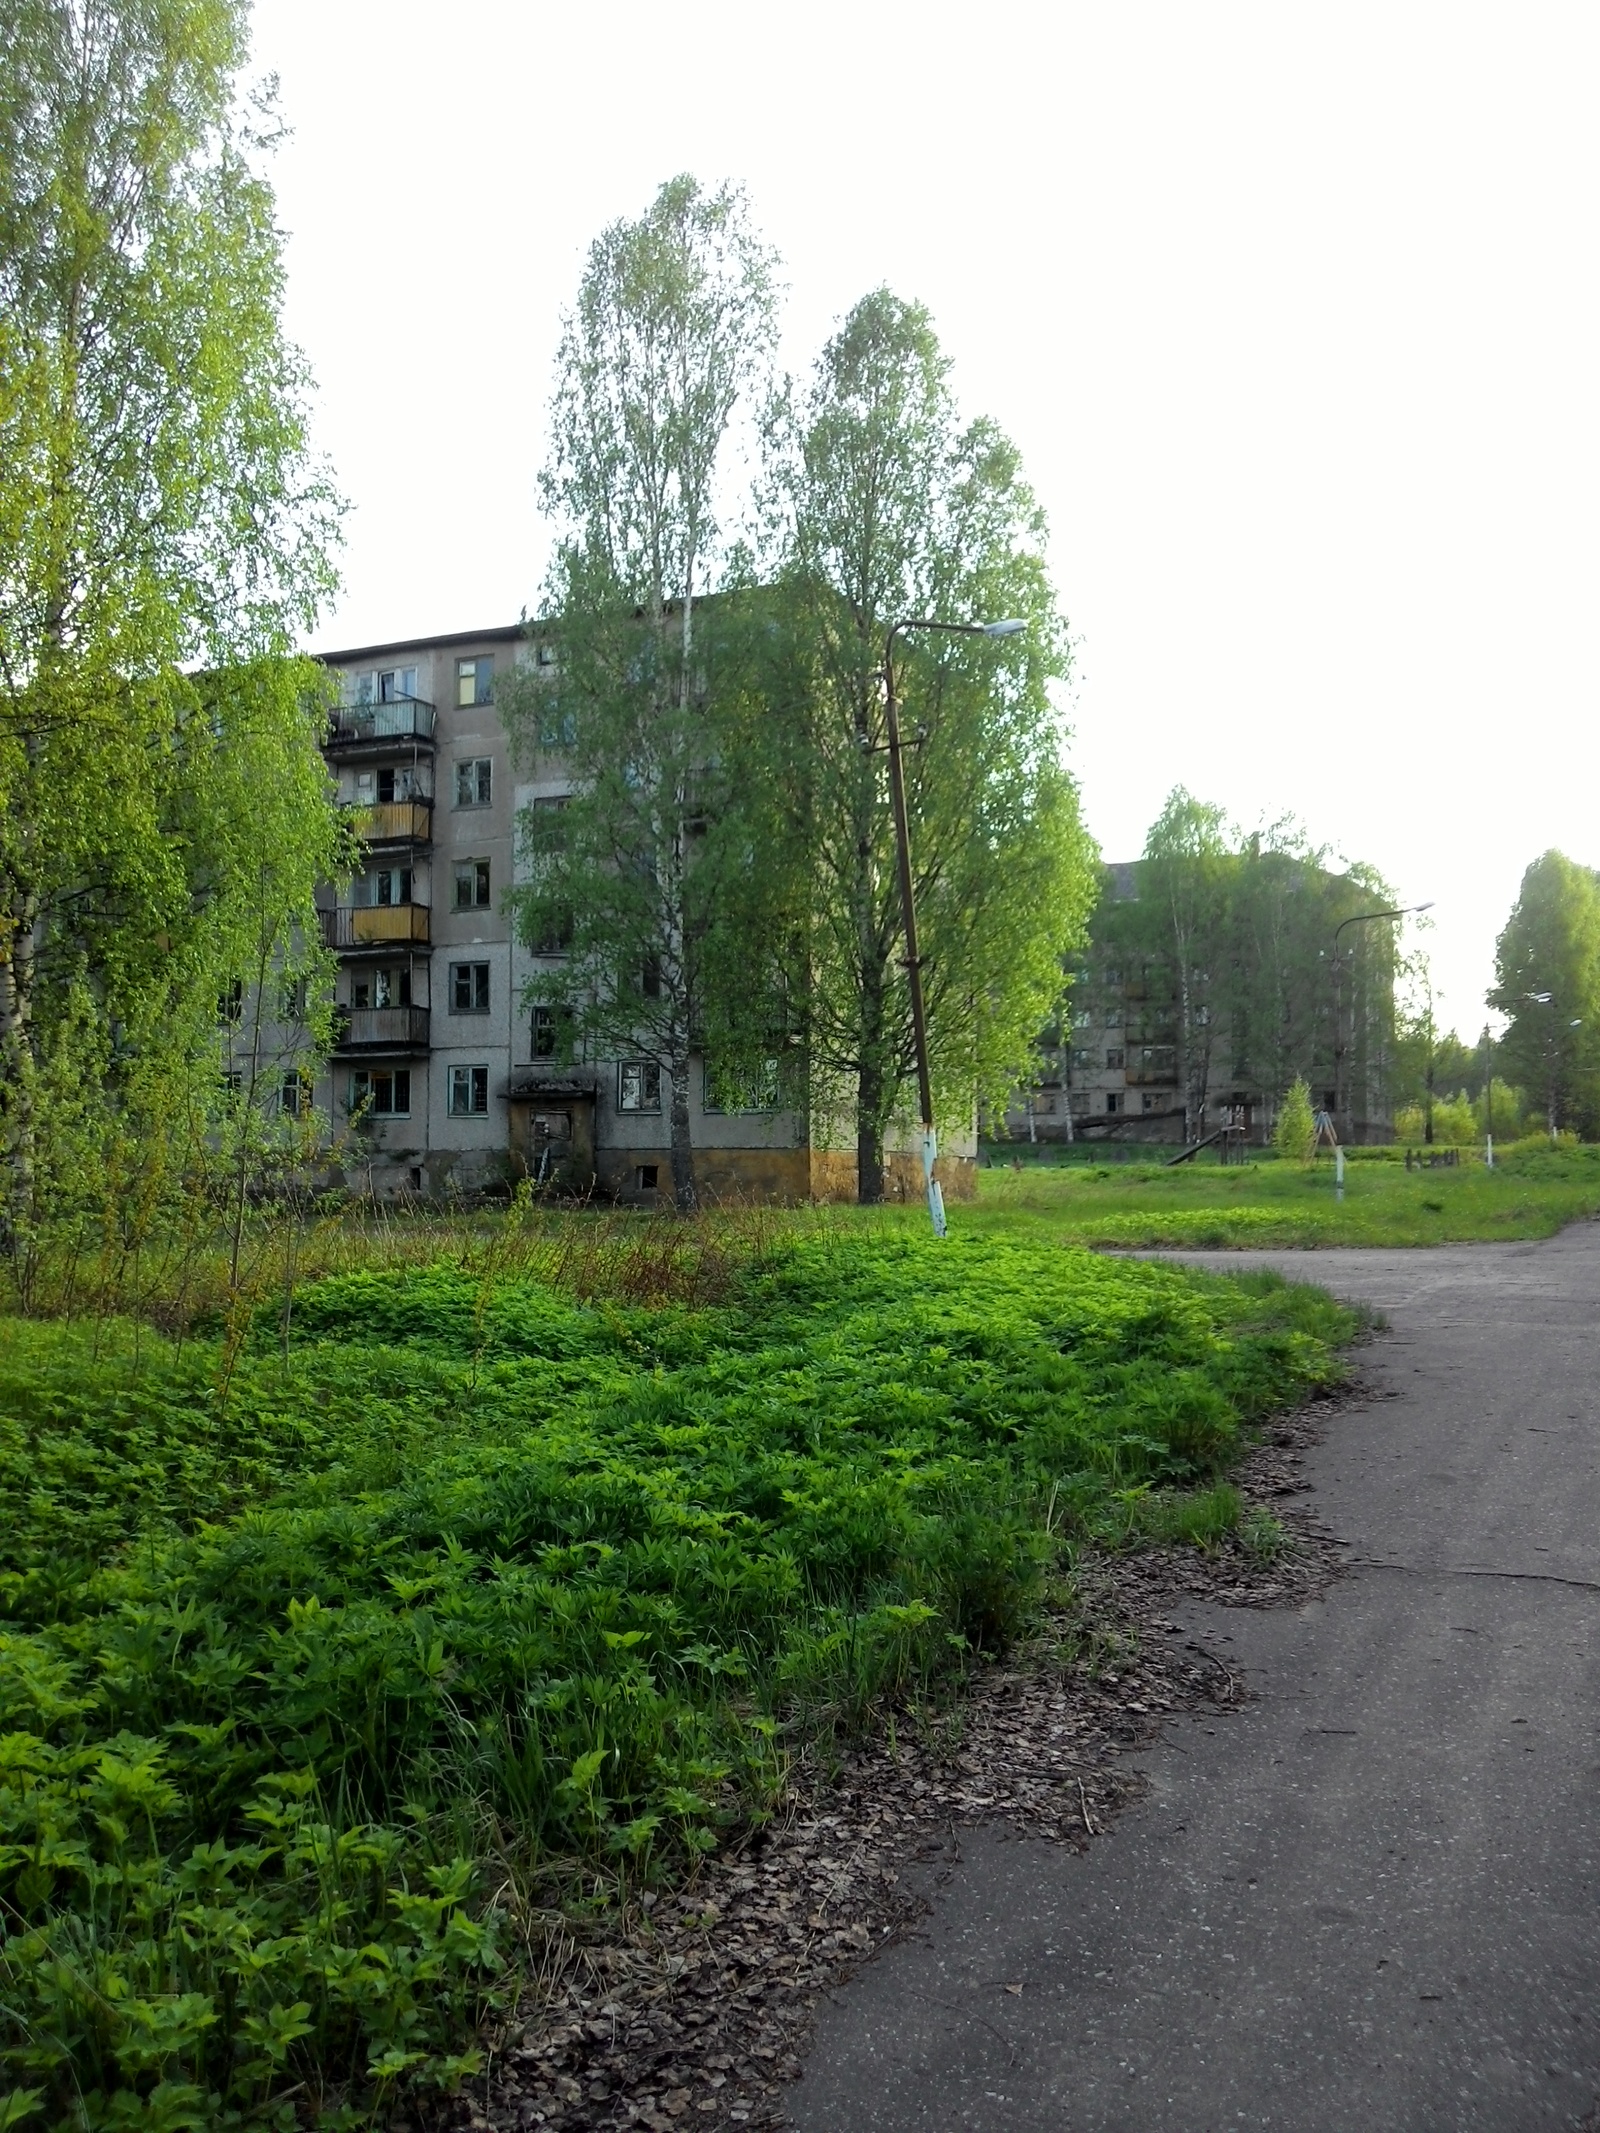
(380, 1029)
(375, 926)
(393, 822)
(403, 718)
(1152, 1064)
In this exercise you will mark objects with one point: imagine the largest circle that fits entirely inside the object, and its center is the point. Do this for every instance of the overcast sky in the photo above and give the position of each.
(1291, 311)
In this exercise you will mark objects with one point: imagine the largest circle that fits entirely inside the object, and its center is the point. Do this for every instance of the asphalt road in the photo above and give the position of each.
(1369, 1901)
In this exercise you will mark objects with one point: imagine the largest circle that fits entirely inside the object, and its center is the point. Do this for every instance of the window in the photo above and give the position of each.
(743, 1089)
(381, 988)
(474, 681)
(1116, 1056)
(650, 978)
(1113, 1103)
(1113, 1018)
(1155, 1103)
(557, 728)
(384, 1095)
(392, 686)
(544, 653)
(638, 1085)
(475, 781)
(399, 784)
(230, 1006)
(552, 932)
(293, 1096)
(472, 884)
(551, 1034)
(1082, 1017)
(292, 1000)
(1078, 1103)
(384, 885)
(469, 1091)
(1082, 1056)
(646, 1177)
(469, 988)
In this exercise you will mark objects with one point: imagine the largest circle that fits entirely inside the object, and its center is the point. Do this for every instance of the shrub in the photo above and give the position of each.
(290, 1648)
(1295, 1134)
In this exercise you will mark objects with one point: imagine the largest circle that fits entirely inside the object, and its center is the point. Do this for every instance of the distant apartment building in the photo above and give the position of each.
(1113, 1069)
(440, 1077)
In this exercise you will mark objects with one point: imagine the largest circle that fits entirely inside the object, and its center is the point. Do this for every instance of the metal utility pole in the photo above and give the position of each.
(908, 909)
(1488, 1097)
(1362, 918)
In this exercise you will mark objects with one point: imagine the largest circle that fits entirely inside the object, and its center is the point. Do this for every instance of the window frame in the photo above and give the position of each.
(371, 1077)
(647, 1078)
(476, 974)
(475, 775)
(474, 1079)
(479, 671)
(480, 878)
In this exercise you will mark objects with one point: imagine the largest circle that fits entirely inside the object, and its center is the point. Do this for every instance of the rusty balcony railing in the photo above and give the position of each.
(401, 718)
(380, 1029)
(393, 821)
(375, 925)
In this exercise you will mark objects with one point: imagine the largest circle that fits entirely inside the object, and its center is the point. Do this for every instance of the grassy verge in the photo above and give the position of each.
(317, 1654)
(1532, 1193)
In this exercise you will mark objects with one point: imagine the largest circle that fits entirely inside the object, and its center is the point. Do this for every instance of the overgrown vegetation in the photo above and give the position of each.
(1533, 1191)
(320, 1657)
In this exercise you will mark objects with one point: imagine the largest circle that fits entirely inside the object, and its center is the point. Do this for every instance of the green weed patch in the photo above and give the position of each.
(309, 1661)
(1202, 1206)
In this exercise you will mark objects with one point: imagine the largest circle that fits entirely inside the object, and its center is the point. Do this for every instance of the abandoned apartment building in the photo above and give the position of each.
(1111, 1070)
(451, 1082)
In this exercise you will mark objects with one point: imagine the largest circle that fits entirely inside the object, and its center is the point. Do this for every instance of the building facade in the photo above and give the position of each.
(1115, 1068)
(440, 1078)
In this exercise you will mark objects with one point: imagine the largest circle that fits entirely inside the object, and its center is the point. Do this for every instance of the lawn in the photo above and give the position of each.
(1531, 1192)
(322, 1654)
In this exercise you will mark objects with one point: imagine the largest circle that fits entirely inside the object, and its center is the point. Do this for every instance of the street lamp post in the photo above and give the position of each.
(908, 908)
(1361, 918)
(1488, 1097)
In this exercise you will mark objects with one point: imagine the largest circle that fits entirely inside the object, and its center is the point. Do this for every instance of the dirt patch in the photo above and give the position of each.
(694, 2009)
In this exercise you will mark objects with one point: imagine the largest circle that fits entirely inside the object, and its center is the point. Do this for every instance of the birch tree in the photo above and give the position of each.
(888, 507)
(672, 331)
(164, 539)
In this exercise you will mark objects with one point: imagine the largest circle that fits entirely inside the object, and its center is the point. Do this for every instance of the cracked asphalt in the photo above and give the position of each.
(1368, 1901)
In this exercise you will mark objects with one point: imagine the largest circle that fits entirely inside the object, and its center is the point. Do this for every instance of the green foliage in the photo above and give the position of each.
(1295, 1133)
(650, 862)
(1547, 964)
(1221, 938)
(1457, 1121)
(285, 1656)
(887, 507)
(165, 531)
(1500, 1109)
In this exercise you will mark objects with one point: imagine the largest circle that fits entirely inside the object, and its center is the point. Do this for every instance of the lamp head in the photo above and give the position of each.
(1003, 629)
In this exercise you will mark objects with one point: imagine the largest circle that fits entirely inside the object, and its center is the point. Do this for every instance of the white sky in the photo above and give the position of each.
(1292, 312)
